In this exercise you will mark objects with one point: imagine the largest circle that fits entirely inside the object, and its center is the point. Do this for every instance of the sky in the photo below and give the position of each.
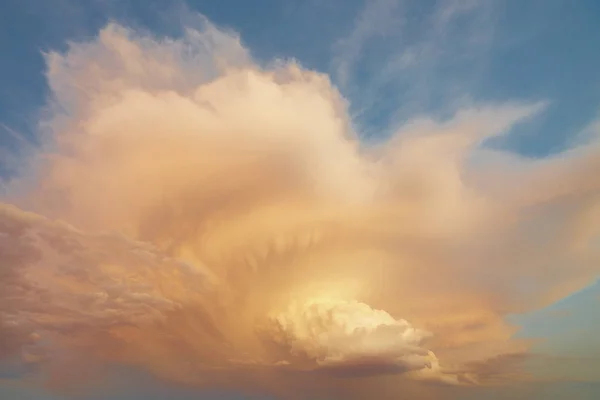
(333, 199)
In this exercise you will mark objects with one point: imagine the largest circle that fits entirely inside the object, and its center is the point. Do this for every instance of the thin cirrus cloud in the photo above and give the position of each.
(428, 58)
(219, 223)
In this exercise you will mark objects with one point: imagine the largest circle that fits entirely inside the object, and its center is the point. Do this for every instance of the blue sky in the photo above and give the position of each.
(393, 61)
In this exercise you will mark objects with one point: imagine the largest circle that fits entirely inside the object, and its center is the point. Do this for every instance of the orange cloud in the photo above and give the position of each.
(219, 223)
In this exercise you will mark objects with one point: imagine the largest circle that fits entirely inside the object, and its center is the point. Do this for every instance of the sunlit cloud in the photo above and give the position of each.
(218, 222)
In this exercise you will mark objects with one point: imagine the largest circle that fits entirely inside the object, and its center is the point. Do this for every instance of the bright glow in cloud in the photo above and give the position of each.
(340, 332)
(221, 219)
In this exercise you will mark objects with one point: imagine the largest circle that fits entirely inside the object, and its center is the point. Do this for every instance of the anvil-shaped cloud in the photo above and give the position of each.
(219, 222)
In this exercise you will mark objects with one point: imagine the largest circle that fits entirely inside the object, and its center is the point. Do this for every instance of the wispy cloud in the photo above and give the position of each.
(378, 18)
(403, 58)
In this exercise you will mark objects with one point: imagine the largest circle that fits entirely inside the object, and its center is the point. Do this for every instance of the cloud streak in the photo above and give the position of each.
(219, 223)
(429, 59)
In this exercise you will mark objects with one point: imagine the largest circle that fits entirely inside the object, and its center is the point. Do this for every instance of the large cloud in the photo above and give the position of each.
(223, 224)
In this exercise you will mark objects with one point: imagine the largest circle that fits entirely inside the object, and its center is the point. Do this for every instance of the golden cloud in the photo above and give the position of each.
(218, 222)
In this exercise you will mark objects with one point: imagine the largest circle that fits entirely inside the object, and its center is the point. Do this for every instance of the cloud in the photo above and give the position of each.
(219, 223)
(377, 18)
(404, 58)
(341, 333)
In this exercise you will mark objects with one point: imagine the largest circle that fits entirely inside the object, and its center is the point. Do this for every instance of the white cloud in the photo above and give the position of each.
(347, 334)
(377, 18)
(392, 62)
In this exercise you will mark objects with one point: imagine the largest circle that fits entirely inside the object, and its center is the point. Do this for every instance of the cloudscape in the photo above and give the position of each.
(221, 223)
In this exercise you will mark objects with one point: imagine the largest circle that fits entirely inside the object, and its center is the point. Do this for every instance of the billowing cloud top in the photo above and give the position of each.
(209, 219)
